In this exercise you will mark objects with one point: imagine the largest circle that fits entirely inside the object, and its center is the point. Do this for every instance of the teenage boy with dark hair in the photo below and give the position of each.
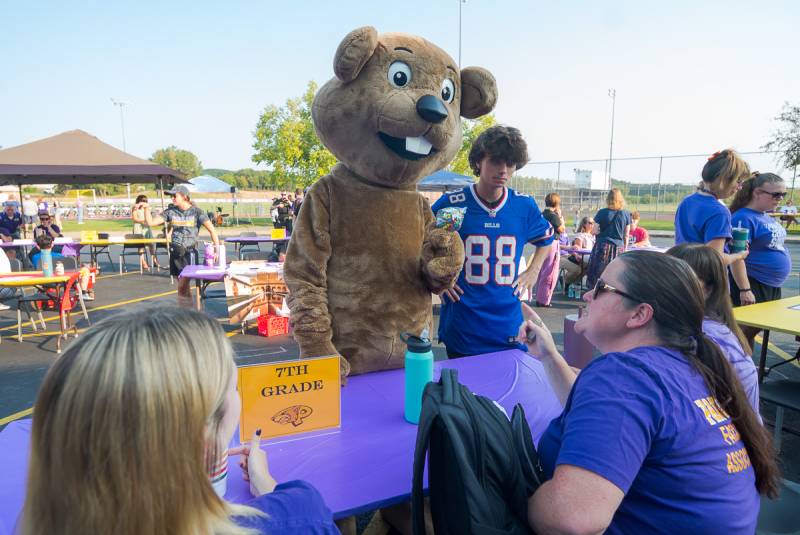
(184, 220)
(497, 225)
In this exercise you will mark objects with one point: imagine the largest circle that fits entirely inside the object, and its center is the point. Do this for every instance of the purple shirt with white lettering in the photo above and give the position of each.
(645, 421)
(768, 262)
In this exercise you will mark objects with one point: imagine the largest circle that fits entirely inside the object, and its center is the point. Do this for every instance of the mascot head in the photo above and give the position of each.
(393, 113)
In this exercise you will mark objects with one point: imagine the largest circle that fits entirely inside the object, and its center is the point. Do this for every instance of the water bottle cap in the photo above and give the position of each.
(416, 344)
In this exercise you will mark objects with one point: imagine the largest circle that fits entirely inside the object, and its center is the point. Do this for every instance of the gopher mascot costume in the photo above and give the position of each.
(365, 254)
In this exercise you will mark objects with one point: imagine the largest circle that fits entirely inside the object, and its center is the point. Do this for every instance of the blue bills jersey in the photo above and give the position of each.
(489, 312)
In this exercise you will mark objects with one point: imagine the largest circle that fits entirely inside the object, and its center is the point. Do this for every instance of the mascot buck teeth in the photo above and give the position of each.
(365, 255)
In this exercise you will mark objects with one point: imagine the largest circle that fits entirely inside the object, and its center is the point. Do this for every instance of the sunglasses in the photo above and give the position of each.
(601, 287)
(44, 219)
(778, 195)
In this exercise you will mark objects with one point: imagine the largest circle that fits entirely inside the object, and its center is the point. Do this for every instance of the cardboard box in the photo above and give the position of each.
(271, 325)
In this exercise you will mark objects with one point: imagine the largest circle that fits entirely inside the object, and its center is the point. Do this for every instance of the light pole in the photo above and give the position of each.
(613, 94)
(460, 2)
(121, 105)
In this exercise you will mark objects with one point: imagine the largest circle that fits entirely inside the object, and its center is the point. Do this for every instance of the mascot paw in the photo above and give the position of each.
(443, 255)
(344, 369)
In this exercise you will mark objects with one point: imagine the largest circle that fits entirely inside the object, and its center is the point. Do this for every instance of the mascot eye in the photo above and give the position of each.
(399, 74)
(448, 91)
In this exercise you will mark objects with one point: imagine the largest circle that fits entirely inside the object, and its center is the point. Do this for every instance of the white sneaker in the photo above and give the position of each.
(88, 297)
(4, 307)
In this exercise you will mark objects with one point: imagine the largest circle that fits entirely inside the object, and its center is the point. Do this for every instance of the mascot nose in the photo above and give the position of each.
(431, 109)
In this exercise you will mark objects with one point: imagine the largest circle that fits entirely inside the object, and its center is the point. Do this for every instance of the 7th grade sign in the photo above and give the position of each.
(286, 398)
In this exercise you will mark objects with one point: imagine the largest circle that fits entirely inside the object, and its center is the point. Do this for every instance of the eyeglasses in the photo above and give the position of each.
(777, 195)
(601, 287)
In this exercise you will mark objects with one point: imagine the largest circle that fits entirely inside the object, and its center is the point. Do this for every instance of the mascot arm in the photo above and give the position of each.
(305, 272)
(442, 254)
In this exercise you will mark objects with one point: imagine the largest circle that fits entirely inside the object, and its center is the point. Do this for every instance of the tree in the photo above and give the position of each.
(470, 130)
(285, 141)
(786, 139)
(179, 160)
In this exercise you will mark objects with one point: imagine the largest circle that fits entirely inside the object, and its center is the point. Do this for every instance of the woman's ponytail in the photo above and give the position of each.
(725, 386)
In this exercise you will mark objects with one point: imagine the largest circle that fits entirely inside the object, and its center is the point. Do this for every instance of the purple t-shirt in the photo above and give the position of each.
(645, 421)
(769, 261)
(294, 507)
(700, 219)
(742, 363)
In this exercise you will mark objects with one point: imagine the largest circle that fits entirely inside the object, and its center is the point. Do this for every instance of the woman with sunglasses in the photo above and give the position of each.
(769, 263)
(702, 218)
(657, 434)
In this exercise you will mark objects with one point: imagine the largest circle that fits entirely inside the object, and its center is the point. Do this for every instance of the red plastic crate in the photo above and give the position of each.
(272, 325)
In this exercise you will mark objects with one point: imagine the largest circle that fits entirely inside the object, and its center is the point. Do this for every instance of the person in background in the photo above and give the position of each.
(52, 231)
(702, 217)
(657, 433)
(574, 264)
(10, 223)
(768, 264)
(183, 219)
(140, 227)
(497, 225)
(719, 324)
(290, 218)
(612, 228)
(283, 206)
(789, 213)
(6, 293)
(298, 201)
(29, 212)
(639, 235)
(42, 205)
(57, 212)
(548, 276)
(44, 242)
(134, 453)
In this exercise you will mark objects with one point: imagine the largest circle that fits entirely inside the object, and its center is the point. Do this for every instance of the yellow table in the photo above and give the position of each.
(782, 315)
(37, 280)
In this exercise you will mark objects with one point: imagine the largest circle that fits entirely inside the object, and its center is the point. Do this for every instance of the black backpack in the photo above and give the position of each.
(481, 467)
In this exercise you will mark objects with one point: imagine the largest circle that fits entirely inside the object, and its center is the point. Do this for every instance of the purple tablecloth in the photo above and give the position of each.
(368, 462)
(205, 273)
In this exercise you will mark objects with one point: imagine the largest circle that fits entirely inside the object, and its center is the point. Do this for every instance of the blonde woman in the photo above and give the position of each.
(127, 426)
(703, 218)
(612, 229)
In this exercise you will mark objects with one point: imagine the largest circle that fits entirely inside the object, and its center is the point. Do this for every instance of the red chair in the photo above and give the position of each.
(53, 298)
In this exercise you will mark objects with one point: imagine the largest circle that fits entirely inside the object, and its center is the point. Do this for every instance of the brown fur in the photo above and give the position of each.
(364, 255)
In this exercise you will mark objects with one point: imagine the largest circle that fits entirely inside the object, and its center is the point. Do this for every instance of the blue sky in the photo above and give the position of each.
(691, 76)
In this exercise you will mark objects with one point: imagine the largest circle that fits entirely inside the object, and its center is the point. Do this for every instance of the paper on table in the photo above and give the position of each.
(211, 271)
(118, 239)
(22, 242)
(65, 239)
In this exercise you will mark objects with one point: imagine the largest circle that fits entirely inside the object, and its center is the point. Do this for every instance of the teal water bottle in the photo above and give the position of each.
(47, 262)
(419, 372)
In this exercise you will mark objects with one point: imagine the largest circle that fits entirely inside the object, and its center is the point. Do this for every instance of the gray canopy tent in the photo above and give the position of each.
(444, 181)
(76, 157)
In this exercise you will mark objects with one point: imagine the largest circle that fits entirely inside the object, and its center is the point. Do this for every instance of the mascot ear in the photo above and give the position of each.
(478, 92)
(353, 52)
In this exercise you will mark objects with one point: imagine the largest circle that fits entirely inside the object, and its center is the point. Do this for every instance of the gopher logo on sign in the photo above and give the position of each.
(292, 415)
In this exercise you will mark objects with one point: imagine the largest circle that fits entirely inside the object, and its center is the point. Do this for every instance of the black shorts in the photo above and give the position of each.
(762, 291)
(179, 258)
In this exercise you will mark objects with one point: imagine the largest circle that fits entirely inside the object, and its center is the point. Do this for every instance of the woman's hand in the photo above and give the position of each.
(254, 466)
(747, 298)
(536, 335)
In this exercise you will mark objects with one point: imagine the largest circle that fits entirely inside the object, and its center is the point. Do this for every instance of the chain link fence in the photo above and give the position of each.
(652, 185)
